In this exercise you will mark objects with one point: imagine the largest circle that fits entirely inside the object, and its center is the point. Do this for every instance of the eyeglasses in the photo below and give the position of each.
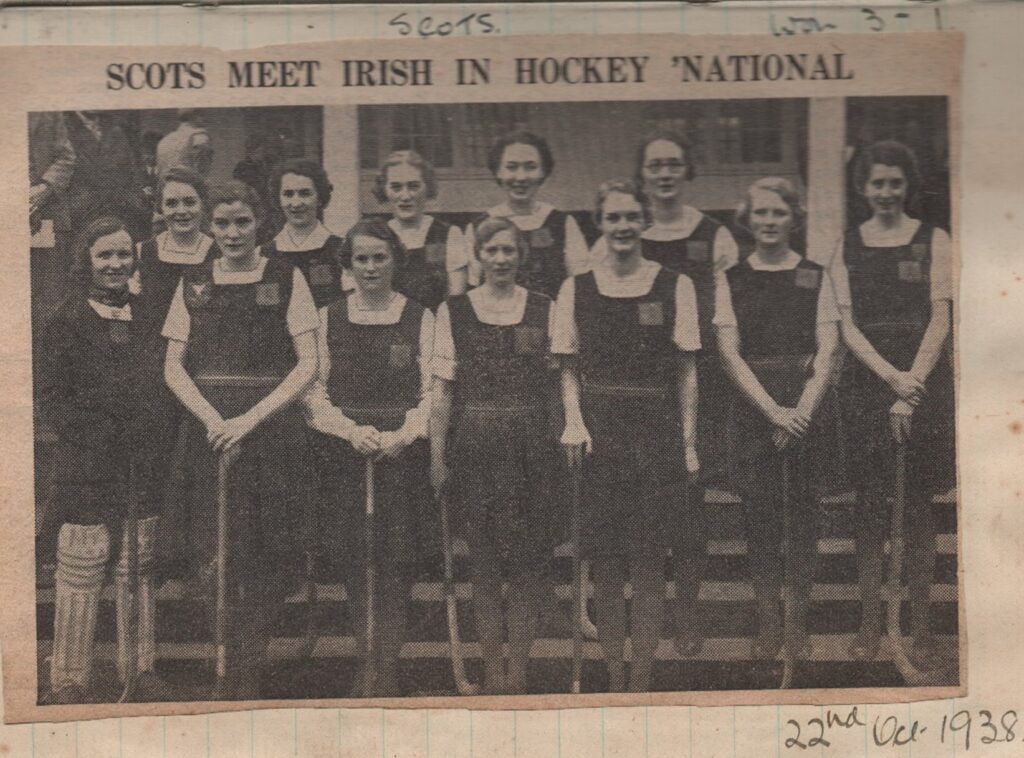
(672, 166)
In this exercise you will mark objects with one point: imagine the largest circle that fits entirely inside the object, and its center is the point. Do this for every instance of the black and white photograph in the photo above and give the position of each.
(493, 398)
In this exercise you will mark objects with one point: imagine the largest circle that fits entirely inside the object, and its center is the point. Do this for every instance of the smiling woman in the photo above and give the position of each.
(302, 190)
(93, 386)
(553, 246)
(241, 349)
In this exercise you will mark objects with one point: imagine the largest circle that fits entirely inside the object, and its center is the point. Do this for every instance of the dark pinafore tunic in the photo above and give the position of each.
(503, 449)
(239, 350)
(424, 277)
(694, 256)
(543, 269)
(777, 318)
(375, 379)
(890, 289)
(635, 479)
(164, 411)
(320, 266)
(92, 392)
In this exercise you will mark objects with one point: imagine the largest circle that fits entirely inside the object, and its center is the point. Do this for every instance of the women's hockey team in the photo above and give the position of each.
(245, 409)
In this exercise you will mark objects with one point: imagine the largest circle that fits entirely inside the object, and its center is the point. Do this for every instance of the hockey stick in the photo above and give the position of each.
(910, 673)
(586, 623)
(462, 684)
(370, 664)
(132, 632)
(224, 461)
(578, 607)
(788, 611)
(312, 634)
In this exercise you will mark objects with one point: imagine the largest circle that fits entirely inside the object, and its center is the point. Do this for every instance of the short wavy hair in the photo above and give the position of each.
(81, 261)
(234, 191)
(309, 169)
(521, 137)
(887, 153)
(377, 228)
(781, 187)
(182, 175)
(624, 187)
(406, 158)
(493, 225)
(669, 135)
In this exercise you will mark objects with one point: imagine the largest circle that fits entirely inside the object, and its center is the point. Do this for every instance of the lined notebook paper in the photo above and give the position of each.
(584, 733)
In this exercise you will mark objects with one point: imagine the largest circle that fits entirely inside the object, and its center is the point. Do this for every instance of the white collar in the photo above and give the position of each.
(679, 230)
(498, 312)
(790, 262)
(527, 222)
(168, 252)
(358, 314)
(413, 237)
(636, 284)
(111, 312)
(873, 236)
(223, 276)
(316, 239)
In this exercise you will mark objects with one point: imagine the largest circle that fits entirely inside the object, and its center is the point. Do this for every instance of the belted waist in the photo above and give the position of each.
(237, 380)
(375, 410)
(624, 390)
(502, 406)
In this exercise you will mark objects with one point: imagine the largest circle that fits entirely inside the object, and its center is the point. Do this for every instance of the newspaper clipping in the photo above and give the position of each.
(494, 373)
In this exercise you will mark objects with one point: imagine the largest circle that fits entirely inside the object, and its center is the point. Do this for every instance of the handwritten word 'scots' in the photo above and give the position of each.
(615, 69)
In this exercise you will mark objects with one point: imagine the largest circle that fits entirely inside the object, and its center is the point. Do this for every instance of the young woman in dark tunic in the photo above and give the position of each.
(628, 332)
(181, 200)
(241, 348)
(778, 332)
(555, 248)
(491, 357)
(894, 288)
(372, 398)
(302, 189)
(94, 392)
(683, 239)
(436, 261)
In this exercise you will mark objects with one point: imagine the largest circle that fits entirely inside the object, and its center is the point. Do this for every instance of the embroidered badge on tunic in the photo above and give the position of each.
(651, 314)
(541, 237)
(320, 275)
(910, 272)
(698, 251)
(198, 293)
(806, 278)
(268, 293)
(529, 340)
(401, 355)
(435, 253)
(918, 251)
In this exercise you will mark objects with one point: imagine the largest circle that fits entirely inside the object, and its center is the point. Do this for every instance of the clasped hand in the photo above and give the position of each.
(375, 444)
(226, 435)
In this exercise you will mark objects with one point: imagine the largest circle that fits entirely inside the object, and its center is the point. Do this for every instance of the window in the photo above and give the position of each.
(736, 133)
(431, 131)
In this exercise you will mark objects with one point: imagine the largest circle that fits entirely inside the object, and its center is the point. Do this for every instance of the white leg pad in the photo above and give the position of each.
(145, 603)
(82, 553)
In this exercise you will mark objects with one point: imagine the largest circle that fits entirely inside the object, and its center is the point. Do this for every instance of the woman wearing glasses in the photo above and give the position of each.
(683, 239)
